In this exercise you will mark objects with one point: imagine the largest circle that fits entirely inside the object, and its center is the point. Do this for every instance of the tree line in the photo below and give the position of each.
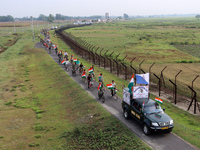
(6, 18)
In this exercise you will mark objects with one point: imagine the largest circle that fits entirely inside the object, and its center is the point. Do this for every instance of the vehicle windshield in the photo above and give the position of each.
(151, 109)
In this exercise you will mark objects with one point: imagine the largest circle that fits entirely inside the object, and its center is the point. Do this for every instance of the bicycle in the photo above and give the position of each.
(73, 72)
(60, 59)
(115, 94)
(101, 95)
(91, 85)
(84, 80)
(67, 67)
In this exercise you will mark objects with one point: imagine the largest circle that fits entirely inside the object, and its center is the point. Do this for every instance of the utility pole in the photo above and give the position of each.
(33, 29)
(22, 27)
(14, 27)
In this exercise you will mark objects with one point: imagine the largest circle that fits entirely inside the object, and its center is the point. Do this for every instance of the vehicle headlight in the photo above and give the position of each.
(171, 122)
(154, 124)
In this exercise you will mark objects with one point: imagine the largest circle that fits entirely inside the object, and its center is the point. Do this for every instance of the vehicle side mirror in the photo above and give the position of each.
(163, 109)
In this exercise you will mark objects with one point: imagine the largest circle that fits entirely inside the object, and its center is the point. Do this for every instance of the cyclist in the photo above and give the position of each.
(74, 67)
(89, 78)
(115, 87)
(60, 56)
(72, 59)
(101, 90)
(66, 55)
(81, 67)
(100, 78)
(77, 64)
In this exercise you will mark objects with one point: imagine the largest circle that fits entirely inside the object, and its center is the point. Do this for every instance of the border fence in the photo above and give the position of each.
(99, 56)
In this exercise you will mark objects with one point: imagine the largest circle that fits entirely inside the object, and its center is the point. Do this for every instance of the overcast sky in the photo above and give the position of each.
(22, 8)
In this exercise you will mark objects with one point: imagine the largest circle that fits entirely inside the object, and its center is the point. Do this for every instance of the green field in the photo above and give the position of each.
(171, 42)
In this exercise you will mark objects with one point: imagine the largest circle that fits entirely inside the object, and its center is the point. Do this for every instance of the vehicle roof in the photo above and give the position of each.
(147, 101)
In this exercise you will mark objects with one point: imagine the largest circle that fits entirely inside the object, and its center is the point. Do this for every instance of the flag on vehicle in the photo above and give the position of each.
(75, 60)
(159, 100)
(131, 84)
(110, 86)
(143, 106)
(63, 62)
(99, 86)
(83, 75)
(142, 78)
(90, 70)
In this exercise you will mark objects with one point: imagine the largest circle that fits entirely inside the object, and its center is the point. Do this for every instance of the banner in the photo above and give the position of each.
(140, 92)
(142, 78)
(126, 96)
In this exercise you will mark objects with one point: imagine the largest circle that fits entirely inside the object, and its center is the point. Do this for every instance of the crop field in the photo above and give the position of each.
(171, 42)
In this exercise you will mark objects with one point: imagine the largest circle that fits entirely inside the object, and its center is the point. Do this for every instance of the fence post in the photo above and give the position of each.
(192, 84)
(150, 73)
(132, 66)
(104, 61)
(100, 57)
(140, 66)
(117, 64)
(111, 61)
(159, 83)
(161, 76)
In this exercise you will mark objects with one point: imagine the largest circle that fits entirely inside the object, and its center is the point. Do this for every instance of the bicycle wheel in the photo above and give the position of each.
(66, 68)
(103, 99)
(115, 97)
(91, 87)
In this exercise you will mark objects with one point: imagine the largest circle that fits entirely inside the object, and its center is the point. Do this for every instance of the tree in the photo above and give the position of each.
(126, 16)
(51, 18)
(6, 18)
(58, 17)
(42, 17)
(197, 16)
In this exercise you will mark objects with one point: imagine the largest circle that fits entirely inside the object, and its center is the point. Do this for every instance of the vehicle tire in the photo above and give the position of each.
(146, 129)
(126, 114)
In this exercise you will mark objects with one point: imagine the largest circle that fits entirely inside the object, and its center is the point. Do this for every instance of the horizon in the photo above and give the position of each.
(20, 8)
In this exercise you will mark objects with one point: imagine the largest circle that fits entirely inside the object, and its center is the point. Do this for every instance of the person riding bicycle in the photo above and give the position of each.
(66, 54)
(81, 67)
(100, 78)
(77, 64)
(101, 89)
(89, 78)
(115, 87)
(74, 67)
(72, 59)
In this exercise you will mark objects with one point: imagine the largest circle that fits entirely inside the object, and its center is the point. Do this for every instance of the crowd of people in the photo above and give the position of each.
(76, 65)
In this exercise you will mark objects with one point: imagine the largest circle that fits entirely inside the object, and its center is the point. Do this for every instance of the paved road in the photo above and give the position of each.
(158, 141)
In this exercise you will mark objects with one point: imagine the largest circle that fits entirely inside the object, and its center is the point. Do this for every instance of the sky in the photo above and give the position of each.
(23, 8)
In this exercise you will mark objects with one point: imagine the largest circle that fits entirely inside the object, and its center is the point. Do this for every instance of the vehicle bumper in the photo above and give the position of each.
(162, 129)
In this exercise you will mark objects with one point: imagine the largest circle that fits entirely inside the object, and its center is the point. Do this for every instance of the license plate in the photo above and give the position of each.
(164, 128)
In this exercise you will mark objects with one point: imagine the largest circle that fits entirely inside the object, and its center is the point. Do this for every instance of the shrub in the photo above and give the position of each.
(9, 103)
(39, 116)
(38, 136)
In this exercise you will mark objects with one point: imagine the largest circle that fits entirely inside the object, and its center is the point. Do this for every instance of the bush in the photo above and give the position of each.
(38, 116)
(9, 103)
(38, 136)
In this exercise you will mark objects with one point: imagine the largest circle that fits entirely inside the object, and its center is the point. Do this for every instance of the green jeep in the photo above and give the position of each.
(149, 114)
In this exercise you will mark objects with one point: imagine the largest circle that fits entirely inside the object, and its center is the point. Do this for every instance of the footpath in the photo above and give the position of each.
(158, 141)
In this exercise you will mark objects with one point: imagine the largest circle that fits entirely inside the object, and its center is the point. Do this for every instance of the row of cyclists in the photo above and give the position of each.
(76, 65)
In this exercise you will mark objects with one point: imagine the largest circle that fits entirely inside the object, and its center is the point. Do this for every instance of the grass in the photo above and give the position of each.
(50, 104)
(186, 124)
